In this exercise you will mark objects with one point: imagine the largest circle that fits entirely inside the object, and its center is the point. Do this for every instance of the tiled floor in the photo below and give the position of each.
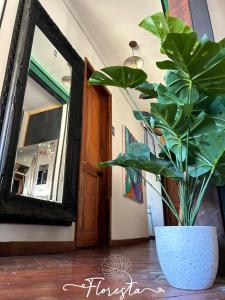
(43, 277)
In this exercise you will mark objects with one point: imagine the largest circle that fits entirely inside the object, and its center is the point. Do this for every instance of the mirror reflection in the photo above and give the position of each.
(40, 159)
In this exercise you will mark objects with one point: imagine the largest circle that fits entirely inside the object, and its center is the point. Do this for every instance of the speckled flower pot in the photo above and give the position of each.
(188, 255)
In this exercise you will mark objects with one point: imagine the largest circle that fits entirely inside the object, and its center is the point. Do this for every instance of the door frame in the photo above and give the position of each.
(106, 177)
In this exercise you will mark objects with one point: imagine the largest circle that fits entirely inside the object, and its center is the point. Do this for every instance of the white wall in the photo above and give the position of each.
(154, 199)
(129, 219)
(6, 34)
(216, 12)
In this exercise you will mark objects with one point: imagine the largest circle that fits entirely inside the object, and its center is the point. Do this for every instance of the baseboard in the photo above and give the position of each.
(35, 248)
(127, 242)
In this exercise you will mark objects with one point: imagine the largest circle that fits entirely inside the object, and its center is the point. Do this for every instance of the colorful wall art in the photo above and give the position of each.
(133, 178)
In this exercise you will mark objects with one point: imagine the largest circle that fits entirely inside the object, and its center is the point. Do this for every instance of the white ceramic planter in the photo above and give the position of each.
(188, 255)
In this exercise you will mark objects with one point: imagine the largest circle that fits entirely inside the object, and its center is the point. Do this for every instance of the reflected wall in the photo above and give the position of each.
(40, 157)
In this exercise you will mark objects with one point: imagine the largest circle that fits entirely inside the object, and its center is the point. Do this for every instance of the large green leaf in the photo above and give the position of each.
(201, 64)
(139, 157)
(174, 122)
(120, 76)
(147, 90)
(219, 120)
(140, 150)
(222, 43)
(217, 105)
(178, 91)
(203, 103)
(199, 125)
(160, 25)
(166, 96)
(178, 126)
(209, 155)
(179, 47)
(139, 115)
(180, 85)
(217, 111)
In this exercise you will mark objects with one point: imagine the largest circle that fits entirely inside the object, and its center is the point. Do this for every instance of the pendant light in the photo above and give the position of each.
(135, 62)
(66, 81)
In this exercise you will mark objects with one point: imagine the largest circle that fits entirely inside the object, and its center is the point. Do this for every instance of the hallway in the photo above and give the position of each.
(43, 277)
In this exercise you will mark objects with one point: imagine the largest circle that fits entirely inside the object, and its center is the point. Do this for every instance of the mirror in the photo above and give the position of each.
(40, 123)
(40, 156)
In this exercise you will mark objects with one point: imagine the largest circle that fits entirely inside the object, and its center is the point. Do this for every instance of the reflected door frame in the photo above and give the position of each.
(83, 238)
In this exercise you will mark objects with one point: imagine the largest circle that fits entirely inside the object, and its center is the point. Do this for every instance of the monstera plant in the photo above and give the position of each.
(190, 113)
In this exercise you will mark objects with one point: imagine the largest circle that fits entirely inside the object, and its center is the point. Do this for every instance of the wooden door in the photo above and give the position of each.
(95, 184)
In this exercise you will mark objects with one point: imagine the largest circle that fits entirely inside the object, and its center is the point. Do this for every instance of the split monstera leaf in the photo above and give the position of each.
(190, 110)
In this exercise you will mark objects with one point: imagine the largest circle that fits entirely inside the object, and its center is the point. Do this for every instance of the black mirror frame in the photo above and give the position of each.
(20, 209)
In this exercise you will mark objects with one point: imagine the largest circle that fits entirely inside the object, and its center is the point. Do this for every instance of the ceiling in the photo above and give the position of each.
(37, 98)
(49, 57)
(110, 25)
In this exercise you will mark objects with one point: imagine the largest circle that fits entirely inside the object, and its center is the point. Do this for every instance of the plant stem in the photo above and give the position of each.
(193, 188)
(200, 198)
(185, 192)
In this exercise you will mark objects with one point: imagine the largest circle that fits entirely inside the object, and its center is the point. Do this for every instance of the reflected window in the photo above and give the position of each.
(40, 160)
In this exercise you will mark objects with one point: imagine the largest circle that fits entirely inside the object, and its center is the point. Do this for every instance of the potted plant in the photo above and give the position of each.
(190, 114)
